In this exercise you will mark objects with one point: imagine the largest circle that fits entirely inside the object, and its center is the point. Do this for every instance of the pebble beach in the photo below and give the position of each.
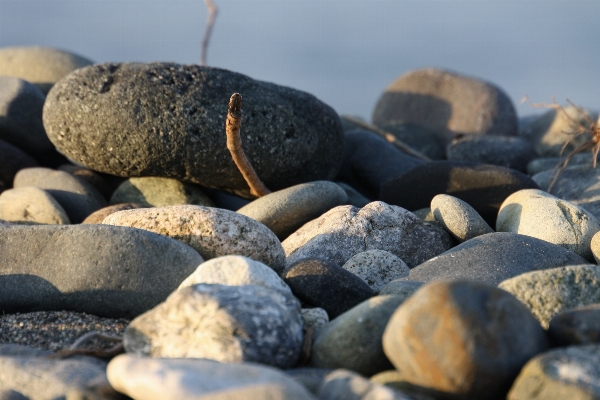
(437, 251)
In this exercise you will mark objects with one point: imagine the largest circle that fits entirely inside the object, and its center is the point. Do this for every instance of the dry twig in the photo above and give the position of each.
(210, 21)
(234, 144)
(591, 127)
(75, 349)
(387, 136)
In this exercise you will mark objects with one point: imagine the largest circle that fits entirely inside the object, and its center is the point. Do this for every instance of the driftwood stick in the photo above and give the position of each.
(234, 144)
(387, 136)
(210, 21)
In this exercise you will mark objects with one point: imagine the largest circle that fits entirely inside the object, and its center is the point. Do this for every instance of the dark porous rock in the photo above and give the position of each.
(423, 140)
(579, 185)
(484, 187)
(230, 324)
(37, 376)
(13, 160)
(353, 340)
(446, 103)
(103, 270)
(77, 197)
(370, 161)
(506, 151)
(21, 124)
(462, 338)
(345, 231)
(321, 284)
(566, 373)
(286, 210)
(576, 326)
(167, 120)
(494, 257)
(42, 66)
(98, 216)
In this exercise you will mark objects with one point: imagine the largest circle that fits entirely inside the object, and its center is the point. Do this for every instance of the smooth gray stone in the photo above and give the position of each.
(21, 124)
(166, 119)
(31, 204)
(542, 164)
(310, 378)
(506, 151)
(370, 161)
(458, 218)
(13, 160)
(354, 197)
(198, 379)
(423, 140)
(231, 324)
(376, 268)
(79, 199)
(39, 377)
(565, 373)
(447, 103)
(345, 231)
(42, 66)
(493, 258)
(286, 210)
(353, 339)
(401, 288)
(103, 270)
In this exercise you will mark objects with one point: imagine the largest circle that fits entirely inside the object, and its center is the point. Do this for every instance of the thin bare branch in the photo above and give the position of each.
(234, 144)
(387, 136)
(210, 21)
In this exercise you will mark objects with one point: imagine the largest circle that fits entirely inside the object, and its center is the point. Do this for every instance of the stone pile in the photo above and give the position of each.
(367, 273)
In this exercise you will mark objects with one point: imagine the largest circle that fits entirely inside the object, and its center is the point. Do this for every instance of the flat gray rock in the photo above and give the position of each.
(353, 339)
(21, 115)
(345, 231)
(102, 270)
(458, 218)
(165, 119)
(286, 210)
(462, 338)
(551, 291)
(493, 258)
(79, 199)
(152, 191)
(231, 324)
(536, 213)
(145, 378)
(41, 378)
(42, 66)
(565, 373)
(31, 204)
(213, 232)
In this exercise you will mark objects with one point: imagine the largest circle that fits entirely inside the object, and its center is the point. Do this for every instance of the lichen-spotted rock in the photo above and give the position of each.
(213, 232)
(168, 120)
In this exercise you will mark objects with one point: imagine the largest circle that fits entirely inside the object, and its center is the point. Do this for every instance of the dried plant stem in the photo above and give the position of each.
(210, 21)
(234, 144)
(75, 349)
(387, 136)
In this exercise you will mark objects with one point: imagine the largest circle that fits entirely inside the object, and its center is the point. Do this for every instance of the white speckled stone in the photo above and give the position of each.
(458, 218)
(536, 213)
(236, 271)
(213, 232)
(314, 318)
(377, 268)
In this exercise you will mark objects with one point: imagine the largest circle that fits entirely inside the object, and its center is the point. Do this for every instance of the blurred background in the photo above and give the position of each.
(345, 52)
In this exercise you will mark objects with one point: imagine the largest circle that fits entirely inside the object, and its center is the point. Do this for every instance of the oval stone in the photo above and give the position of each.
(167, 120)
